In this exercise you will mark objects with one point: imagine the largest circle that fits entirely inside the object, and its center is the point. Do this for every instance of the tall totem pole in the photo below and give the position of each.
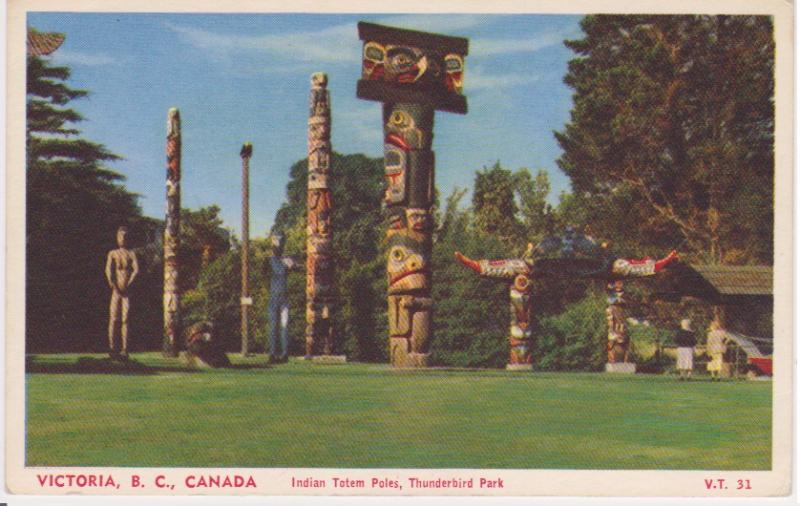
(172, 314)
(319, 234)
(413, 73)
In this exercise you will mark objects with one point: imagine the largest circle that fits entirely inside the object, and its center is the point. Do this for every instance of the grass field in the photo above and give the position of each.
(156, 413)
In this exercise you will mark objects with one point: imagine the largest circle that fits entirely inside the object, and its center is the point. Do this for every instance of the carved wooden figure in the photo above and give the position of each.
(618, 346)
(172, 314)
(319, 233)
(517, 274)
(413, 73)
(572, 256)
(121, 269)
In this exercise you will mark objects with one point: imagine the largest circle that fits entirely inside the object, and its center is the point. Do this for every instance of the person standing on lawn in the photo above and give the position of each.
(686, 340)
(716, 346)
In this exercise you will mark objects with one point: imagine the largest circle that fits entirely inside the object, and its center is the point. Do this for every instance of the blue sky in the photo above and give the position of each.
(240, 78)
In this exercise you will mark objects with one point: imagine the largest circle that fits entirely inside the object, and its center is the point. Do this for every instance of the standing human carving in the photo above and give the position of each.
(278, 306)
(618, 345)
(121, 270)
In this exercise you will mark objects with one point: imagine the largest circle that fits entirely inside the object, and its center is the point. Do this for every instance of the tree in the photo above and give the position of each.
(472, 313)
(203, 239)
(512, 206)
(671, 133)
(74, 205)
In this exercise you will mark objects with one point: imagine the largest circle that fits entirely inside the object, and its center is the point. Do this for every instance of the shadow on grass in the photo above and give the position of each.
(246, 366)
(91, 365)
(129, 367)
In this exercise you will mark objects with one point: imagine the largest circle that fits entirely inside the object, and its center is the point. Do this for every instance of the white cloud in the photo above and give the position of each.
(332, 45)
(339, 44)
(490, 47)
(302, 46)
(441, 23)
(76, 58)
(476, 79)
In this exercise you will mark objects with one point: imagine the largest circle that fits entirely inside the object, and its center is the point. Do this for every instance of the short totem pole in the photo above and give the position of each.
(619, 343)
(319, 233)
(567, 256)
(517, 273)
(172, 315)
(413, 73)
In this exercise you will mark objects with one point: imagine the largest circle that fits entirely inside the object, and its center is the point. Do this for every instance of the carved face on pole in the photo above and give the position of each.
(373, 61)
(454, 72)
(407, 268)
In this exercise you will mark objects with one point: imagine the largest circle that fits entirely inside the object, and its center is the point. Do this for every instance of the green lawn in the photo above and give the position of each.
(156, 413)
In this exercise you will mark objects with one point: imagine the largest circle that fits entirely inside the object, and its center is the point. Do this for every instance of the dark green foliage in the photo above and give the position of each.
(574, 340)
(74, 206)
(215, 297)
(670, 142)
(647, 346)
(202, 240)
(471, 316)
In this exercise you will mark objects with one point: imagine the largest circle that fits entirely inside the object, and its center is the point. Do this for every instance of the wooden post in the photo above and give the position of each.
(245, 153)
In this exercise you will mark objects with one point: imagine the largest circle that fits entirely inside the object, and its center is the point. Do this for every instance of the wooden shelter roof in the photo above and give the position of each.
(716, 283)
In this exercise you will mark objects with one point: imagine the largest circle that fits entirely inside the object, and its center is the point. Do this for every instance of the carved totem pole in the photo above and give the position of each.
(567, 256)
(319, 234)
(517, 273)
(619, 343)
(172, 314)
(618, 346)
(413, 73)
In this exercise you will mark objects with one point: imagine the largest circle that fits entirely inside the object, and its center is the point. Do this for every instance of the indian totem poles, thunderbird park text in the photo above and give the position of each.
(319, 234)
(172, 316)
(413, 73)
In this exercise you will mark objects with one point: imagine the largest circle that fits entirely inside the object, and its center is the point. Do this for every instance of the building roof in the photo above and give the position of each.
(737, 279)
(715, 283)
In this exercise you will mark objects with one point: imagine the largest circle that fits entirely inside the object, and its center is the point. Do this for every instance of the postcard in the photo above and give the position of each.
(462, 249)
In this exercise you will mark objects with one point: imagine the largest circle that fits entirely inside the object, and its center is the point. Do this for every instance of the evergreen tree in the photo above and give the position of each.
(74, 205)
(670, 141)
